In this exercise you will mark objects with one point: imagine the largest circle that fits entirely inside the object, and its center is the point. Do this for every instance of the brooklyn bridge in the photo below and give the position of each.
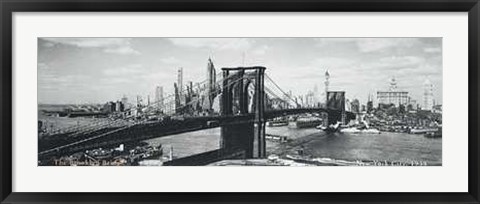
(247, 96)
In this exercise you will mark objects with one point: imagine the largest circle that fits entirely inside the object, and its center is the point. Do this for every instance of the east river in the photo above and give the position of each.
(383, 147)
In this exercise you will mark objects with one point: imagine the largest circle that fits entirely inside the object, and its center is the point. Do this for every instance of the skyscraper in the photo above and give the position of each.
(125, 101)
(180, 86)
(139, 101)
(327, 82)
(369, 104)
(177, 106)
(316, 96)
(159, 97)
(310, 99)
(427, 95)
(211, 89)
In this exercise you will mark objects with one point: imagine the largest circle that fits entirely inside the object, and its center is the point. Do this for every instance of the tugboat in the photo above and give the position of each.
(436, 134)
(305, 122)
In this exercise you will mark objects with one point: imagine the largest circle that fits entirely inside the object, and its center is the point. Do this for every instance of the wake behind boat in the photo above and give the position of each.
(359, 129)
(356, 130)
(329, 128)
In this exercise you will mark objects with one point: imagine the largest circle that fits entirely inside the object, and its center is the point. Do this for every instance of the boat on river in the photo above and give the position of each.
(436, 134)
(330, 128)
(423, 130)
(277, 122)
(305, 122)
(355, 130)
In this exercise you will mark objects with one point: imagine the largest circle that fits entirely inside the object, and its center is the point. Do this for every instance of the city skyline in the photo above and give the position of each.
(96, 70)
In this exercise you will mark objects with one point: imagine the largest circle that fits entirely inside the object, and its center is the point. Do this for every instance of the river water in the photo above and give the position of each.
(390, 147)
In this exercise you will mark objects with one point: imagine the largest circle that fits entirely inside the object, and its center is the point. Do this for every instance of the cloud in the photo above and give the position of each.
(214, 43)
(432, 49)
(367, 45)
(126, 71)
(377, 44)
(427, 70)
(316, 69)
(109, 45)
(260, 50)
(170, 60)
(122, 51)
(42, 66)
(47, 44)
(332, 62)
(57, 82)
(393, 63)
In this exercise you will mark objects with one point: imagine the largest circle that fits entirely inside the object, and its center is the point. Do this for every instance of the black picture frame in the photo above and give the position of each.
(10, 6)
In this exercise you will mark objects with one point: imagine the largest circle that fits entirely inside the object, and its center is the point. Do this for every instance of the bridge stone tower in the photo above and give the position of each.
(243, 96)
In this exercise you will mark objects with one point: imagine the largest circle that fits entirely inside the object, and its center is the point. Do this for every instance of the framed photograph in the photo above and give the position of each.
(265, 101)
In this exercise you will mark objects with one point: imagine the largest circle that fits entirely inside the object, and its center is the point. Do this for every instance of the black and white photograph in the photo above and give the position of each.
(269, 101)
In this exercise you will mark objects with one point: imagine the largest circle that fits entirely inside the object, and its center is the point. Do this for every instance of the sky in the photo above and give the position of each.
(97, 70)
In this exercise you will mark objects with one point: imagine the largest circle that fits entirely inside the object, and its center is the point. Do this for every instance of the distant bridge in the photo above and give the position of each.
(242, 121)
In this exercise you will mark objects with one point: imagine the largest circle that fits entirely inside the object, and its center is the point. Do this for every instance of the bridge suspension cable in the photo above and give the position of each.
(217, 91)
(166, 102)
(96, 125)
(281, 90)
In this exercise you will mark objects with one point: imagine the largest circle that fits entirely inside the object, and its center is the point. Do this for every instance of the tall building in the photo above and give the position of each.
(180, 86)
(159, 97)
(316, 96)
(125, 101)
(327, 82)
(177, 105)
(393, 96)
(139, 101)
(427, 95)
(309, 99)
(355, 106)
(369, 104)
(289, 97)
(211, 89)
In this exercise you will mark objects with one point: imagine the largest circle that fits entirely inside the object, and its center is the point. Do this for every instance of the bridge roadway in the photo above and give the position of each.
(154, 129)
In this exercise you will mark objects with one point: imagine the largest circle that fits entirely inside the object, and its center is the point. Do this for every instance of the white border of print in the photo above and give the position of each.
(451, 177)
